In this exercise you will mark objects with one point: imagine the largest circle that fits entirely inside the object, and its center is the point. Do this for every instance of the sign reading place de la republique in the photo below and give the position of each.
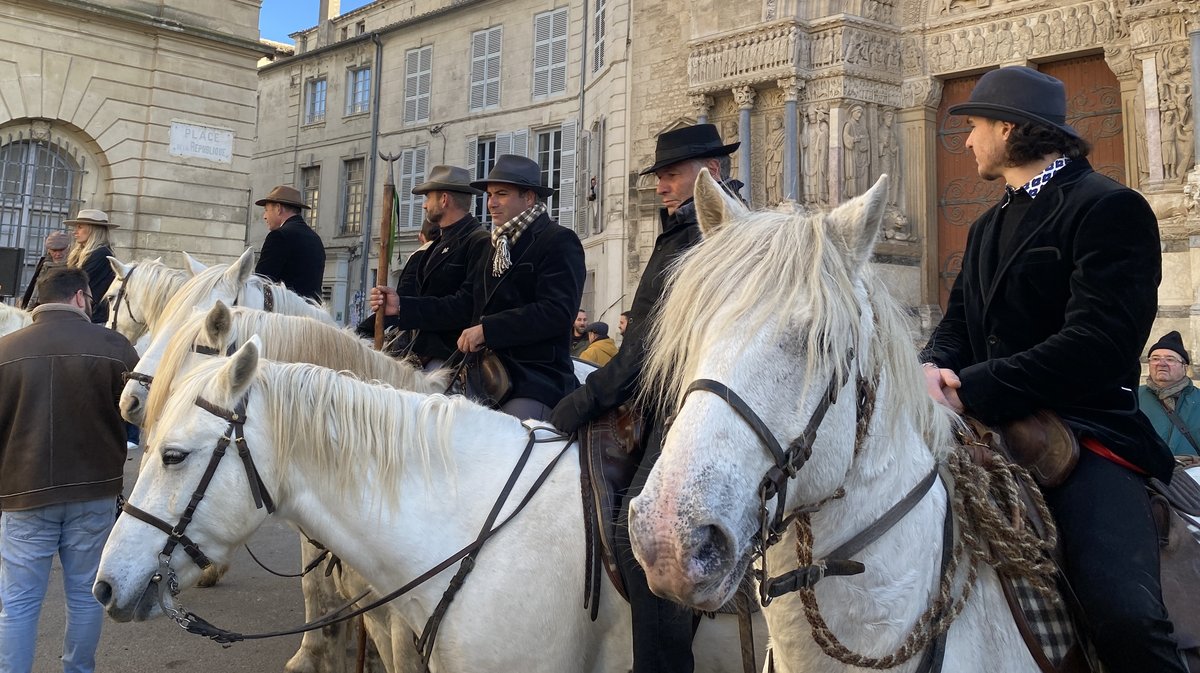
(201, 142)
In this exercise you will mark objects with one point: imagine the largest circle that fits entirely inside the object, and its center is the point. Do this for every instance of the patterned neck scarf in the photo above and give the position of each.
(504, 236)
(1037, 182)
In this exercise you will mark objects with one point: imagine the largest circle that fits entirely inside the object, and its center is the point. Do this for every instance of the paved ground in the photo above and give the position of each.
(248, 600)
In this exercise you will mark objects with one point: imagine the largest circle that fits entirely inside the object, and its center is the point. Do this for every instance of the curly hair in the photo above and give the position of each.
(1030, 142)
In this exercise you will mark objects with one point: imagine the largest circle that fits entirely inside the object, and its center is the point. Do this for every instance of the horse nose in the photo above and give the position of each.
(102, 591)
(709, 552)
(649, 552)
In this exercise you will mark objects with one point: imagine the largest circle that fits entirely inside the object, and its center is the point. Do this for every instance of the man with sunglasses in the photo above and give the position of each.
(1169, 399)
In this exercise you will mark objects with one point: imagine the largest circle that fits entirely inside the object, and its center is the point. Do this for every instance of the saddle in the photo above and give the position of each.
(1179, 557)
(480, 376)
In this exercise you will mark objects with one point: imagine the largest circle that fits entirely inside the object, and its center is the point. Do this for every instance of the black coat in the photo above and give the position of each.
(614, 383)
(100, 276)
(437, 289)
(527, 312)
(294, 255)
(1059, 320)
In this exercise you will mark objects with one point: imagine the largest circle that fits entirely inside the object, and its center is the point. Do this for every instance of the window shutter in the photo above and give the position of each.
(520, 142)
(473, 156)
(598, 37)
(542, 35)
(558, 52)
(405, 187)
(479, 44)
(566, 188)
(424, 82)
(412, 87)
(504, 143)
(417, 212)
(492, 93)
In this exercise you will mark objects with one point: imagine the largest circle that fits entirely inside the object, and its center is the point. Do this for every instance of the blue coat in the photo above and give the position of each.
(1187, 407)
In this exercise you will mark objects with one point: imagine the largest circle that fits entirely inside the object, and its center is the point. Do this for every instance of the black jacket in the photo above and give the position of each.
(527, 312)
(1059, 320)
(100, 276)
(437, 289)
(614, 383)
(294, 255)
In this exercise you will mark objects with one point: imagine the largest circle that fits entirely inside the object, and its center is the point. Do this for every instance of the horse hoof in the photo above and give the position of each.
(212, 575)
(301, 662)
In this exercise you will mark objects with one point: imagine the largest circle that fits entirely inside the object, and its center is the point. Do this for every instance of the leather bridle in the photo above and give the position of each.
(116, 309)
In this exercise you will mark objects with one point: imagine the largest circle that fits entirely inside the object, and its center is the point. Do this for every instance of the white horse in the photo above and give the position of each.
(13, 319)
(784, 300)
(136, 301)
(395, 482)
(234, 284)
(298, 339)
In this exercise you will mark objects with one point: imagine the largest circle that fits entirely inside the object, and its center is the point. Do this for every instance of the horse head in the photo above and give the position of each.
(773, 307)
(137, 559)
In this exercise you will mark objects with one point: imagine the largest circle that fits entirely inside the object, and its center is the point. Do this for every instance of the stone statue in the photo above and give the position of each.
(1087, 26)
(1176, 95)
(815, 155)
(1041, 35)
(856, 147)
(1004, 40)
(773, 167)
(1170, 151)
(889, 155)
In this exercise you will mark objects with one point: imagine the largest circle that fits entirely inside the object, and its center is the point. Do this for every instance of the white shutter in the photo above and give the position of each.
(418, 213)
(542, 37)
(598, 37)
(558, 53)
(479, 43)
(473, 156)
(412, 73)
(404, 186)
(566, 185)
(504, 144)
(424, 82)
(520, 142)
(492, 85)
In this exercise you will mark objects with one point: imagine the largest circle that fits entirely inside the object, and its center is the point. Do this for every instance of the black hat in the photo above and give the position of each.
(1172, 341)
(600, 329)
(690, 142)
(515, 170)
(1020, 95)
(447, 179)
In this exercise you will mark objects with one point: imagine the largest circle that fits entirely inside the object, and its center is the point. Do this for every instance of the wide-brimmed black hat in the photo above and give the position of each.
(1018, 94)
(690, 142)
(447, 179)
(1172, 341)
(515, 170)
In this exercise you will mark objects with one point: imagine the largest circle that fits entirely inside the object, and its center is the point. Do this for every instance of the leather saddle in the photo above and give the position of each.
(1179, 557)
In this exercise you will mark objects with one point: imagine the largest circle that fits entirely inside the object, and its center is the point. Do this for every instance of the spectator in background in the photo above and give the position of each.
(91, 253)
(623, 323)
(1169, 399)
(55, 255)
(62, 457)
(601, 348)
(579, 336)
(292, 253)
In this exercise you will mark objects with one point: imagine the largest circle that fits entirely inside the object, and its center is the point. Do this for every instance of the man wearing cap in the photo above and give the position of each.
(55, 255)
(292, 253)
(1168, 397)
(439, 303)
(529, 290)
(1057, 294)
(601, 348)
(662, 630)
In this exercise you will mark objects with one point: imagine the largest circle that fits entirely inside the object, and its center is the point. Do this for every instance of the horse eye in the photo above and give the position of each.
(173, 456)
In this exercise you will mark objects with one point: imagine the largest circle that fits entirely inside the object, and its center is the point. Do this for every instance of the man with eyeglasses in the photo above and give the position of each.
(1169, 399)
(62, 459)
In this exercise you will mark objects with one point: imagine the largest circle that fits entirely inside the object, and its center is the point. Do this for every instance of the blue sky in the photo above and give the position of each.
(280, 18)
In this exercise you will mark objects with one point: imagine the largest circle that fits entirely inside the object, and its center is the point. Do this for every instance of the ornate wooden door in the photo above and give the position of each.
(1093, 109)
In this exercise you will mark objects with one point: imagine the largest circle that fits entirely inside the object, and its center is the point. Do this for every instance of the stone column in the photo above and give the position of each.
(744, 97)
(1194, 35)
(917, 118)
(791, 87)
(701, 103)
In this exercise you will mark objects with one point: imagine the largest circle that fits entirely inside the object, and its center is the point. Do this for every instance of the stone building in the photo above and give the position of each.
(142, 110)
(827, 94)
(427, 82)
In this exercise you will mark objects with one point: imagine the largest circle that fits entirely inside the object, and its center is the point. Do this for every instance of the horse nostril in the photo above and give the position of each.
(711, 549)
(102, 591)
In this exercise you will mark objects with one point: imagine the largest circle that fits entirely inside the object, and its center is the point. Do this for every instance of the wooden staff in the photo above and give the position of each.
(385, 244)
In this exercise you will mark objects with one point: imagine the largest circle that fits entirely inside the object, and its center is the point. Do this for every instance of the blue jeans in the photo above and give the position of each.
(29, 539)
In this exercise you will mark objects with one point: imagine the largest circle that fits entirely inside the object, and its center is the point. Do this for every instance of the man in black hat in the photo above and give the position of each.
(442, 303)
(1057, 294)
(292, 253)
(662, 630)
(1169, 399)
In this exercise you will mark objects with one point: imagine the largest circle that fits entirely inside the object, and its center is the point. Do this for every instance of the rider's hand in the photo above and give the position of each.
(471, 339)
(381, 294)
(942, 385)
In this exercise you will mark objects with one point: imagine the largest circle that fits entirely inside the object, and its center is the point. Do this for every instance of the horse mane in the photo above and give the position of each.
(13, 319)
(288, 338)
(345, 428)
(287, 301)
(784, 268)
(196, 292)
(156, 284)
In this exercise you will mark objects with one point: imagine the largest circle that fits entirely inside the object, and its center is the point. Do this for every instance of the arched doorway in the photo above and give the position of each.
(1093, 109)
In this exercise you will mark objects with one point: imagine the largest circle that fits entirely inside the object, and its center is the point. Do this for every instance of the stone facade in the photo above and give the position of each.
(142, 110)
(574, 123)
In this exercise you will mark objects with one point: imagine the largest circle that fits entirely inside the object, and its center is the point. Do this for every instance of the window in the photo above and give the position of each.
(358, 90)
(352, 197)
(550, 53)
(314, 102)
(598, 37)
(310, 182)
(549, 158)
(345, 32)
(481, 155)
(556, 159)
(485, 69)
(40, 184)
(418, 72)
(412, 173)
(360, 27)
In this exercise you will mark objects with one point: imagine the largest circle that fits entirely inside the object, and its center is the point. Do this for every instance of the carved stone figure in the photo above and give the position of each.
(1041, 35)
(1104, 22)
(977, 44)
(815, 155)
(1170, 151)
(1004, 42)
(856, 147)
(889, 155)
(1058, 30)
(1023, 41)
(1087, 26)
(773, 167)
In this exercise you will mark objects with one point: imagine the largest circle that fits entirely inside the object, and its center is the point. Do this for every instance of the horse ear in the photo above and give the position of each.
(119, 268)
(240, 271)
(238, 373)
(859, 220)
(193, 265)
(217, 323)
(714, 206)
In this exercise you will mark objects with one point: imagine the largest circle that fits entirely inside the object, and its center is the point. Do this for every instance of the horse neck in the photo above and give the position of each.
(153, 302)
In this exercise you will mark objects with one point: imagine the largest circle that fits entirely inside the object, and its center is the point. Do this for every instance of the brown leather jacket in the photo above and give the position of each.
(61, 435)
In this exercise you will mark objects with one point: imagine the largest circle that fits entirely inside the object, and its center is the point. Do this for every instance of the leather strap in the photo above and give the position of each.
(1187, 434)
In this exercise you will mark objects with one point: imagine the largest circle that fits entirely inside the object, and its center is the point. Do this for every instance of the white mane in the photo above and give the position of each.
(13, 319)
(199, 289)
(152, 286)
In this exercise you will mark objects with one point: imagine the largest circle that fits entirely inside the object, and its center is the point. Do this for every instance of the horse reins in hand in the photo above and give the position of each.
(193, 623)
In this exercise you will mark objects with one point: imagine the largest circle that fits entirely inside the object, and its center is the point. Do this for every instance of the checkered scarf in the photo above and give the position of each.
(504, 236)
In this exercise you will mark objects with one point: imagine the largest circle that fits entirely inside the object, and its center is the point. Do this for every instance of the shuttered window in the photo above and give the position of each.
(481, 156)
(485, 69)
(556, 159)
(550, 53)
(598, 37)
(412, 173)
(418, 73)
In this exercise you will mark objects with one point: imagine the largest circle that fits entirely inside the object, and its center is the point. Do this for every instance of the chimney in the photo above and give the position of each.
(330, 9)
